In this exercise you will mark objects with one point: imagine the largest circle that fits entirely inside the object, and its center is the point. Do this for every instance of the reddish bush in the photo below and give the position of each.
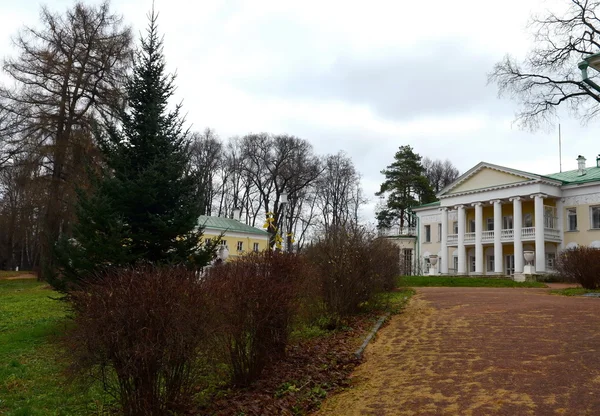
(141, 331)
(255, 297)
(580, 265)
(352, 267)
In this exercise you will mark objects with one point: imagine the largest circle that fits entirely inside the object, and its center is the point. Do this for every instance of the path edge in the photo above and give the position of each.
(359, 352)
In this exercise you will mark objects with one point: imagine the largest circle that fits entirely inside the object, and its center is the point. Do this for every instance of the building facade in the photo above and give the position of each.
(490, 216)
(239, 238)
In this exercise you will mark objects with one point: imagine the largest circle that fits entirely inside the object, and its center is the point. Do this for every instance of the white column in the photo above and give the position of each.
(444, 248)
(498, 262)
(478, 236)
(540, 249)
(462, 269)
(560, 220)
(518, 224)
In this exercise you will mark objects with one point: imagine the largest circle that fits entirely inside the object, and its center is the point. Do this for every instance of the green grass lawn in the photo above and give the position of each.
(573, 291)
(436, 281)
(32, 380)
(11, 273)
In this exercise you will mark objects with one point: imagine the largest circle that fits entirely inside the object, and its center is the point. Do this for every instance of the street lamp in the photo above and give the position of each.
(594, 62)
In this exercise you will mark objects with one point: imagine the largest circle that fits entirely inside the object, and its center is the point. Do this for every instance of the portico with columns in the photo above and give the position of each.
(489, 217)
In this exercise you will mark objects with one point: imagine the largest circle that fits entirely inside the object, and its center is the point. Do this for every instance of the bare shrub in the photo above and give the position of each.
(352, 267)
(255, 298)
(141, 332)
(580, 265)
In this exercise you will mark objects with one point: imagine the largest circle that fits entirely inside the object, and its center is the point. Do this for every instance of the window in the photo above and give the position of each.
(490, 263)
(439, 232)
(549, 217)
(528, 220)
(595, 220)
(407, 261)
(455, 263)
(255, 247)
(472, 263)
(428, 233)
(472, 226)
(490, 224)
(507, 222)
(550, 261)
(427, 265)
(240, 246)
(455, 227)
(207, 241)
(571, 219)
(224, 243)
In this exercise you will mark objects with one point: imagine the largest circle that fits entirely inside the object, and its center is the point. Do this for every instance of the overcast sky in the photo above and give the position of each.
(365, 77)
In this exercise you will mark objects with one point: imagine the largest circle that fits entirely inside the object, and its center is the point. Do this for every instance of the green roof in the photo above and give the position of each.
(228, 224)
(572, 176)
(431, 204)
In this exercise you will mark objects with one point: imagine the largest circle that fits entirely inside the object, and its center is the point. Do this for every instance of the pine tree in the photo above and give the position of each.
(405, 186)
(146, 204)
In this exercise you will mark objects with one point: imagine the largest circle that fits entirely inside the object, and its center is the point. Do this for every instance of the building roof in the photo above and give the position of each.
(429, 205)
(228, 224)
(572, 176)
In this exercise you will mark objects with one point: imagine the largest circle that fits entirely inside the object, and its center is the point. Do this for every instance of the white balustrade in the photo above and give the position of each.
(552, 234)
(507, 235)
(528, 233)
(453, 239)
(487, 236)
(397, 231)
(469, 237)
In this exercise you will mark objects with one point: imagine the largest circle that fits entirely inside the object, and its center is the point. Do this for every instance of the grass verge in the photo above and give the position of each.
(32, 363)
(435, 281)
(573, 291)
(10, 273)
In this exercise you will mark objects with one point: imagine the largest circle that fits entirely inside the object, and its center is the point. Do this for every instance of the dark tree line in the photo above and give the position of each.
(67, 80)
(251, 173)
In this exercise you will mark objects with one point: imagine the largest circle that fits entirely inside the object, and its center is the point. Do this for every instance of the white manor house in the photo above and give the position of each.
(492, 217)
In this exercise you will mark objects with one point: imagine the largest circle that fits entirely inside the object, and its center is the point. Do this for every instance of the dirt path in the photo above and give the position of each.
(479, 351)
(21, 276)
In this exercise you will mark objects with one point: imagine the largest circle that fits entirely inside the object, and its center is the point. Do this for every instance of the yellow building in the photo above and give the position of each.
(239, 238)
(495, 220)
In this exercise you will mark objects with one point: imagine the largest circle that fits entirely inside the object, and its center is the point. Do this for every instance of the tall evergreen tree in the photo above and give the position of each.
(146, 204)
(405, 186)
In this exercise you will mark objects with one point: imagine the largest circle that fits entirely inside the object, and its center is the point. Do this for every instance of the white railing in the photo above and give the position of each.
(452, 238)
(487, 236)
(528, 233)
(397, 231)
(507, 235)
(552, 234)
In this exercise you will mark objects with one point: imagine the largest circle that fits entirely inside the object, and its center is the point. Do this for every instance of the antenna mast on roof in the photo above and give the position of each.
(559, 149)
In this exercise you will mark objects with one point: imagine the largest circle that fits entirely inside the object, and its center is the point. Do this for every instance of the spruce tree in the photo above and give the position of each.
(146, 204)
(405, 186)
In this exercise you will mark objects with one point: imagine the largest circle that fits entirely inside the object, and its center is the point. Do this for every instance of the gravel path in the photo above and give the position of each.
(481, 351)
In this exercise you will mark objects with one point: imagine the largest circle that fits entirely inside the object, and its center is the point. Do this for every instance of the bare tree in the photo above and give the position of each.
(549, 76)
(206, 157)
(68, 73)
(439, 173)
(275, 164)
(338, 192)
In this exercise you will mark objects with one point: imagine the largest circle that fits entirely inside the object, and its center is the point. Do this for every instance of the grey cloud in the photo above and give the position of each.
(436, 79)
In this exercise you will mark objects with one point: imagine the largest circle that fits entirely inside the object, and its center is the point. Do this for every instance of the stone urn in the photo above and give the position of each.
(529, 256)
(433, 262)
(528, 269)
